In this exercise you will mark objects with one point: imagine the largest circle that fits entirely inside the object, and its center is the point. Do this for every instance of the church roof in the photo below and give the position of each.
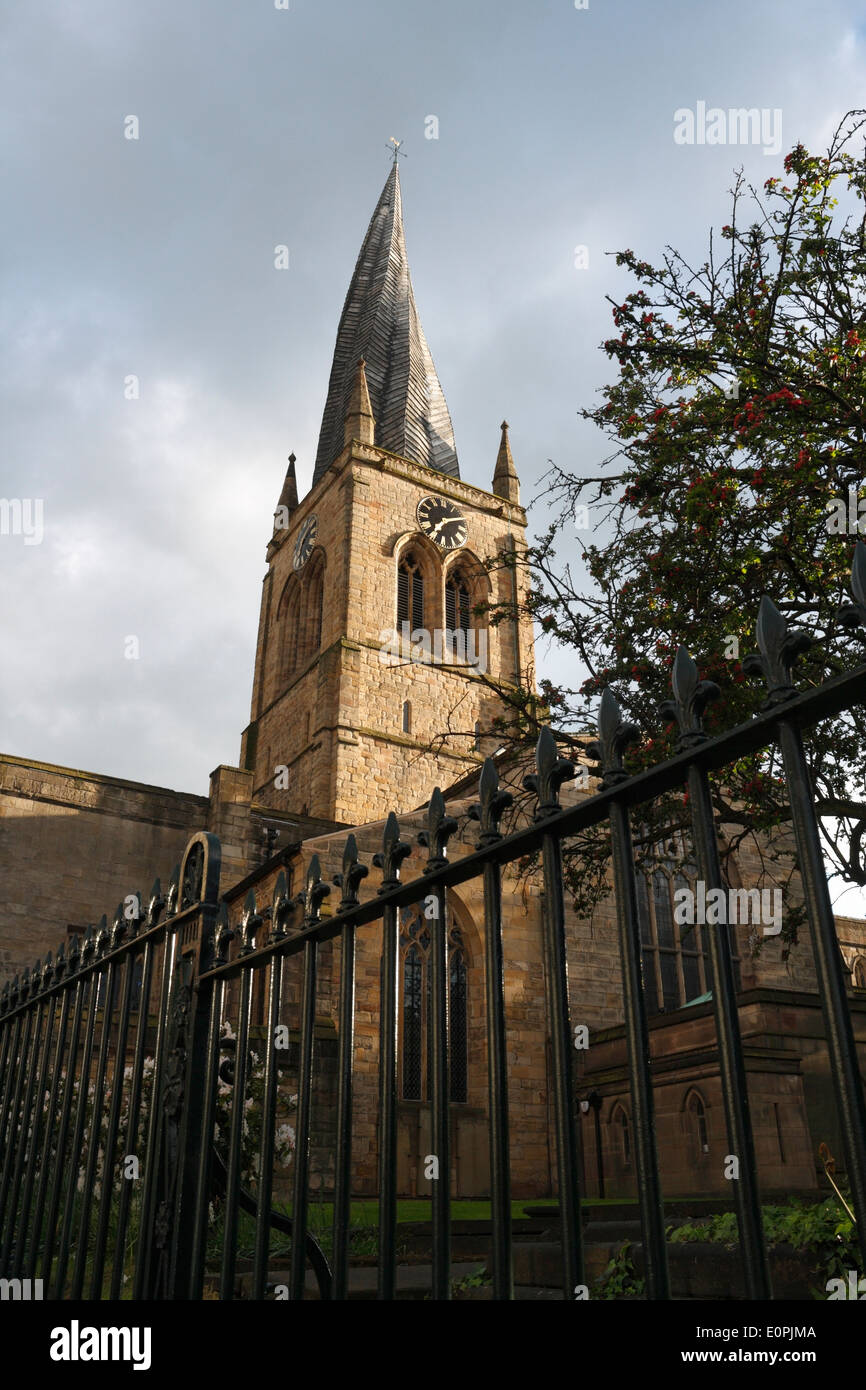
(380, 323)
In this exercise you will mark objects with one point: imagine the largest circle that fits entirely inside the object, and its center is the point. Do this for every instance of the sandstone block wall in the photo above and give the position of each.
(73, 845)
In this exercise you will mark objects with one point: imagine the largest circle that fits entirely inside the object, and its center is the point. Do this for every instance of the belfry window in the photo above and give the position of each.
(457, 605)
(310, 637)
(416, 999)
(410, 593)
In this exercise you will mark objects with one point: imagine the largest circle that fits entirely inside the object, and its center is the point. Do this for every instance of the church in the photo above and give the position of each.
(378, 677)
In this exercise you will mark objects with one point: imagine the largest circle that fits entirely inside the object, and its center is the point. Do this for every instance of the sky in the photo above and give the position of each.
(156, 368)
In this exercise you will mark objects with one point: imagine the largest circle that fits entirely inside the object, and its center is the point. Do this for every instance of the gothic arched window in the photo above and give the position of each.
(458, 607)
(410, 593)
(622, 1133)
(314, 599)
(698, 1121)
(407, 717)
(289, 617)
(416, 1004)
(676, 968)
(860, 972)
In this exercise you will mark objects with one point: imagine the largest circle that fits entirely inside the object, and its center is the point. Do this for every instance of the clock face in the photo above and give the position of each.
(440, 520)
(305, 542)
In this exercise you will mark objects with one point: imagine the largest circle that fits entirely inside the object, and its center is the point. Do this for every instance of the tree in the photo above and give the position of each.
(737, 428)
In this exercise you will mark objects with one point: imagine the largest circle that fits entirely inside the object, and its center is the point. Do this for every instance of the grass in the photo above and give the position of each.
(366, 1213)
(363, 1225)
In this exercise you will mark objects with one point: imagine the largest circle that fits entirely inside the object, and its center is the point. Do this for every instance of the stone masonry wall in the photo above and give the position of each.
(336, 724)
(73, 844)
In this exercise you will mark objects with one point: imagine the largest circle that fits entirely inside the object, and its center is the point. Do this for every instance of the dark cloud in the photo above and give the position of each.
(155, 258)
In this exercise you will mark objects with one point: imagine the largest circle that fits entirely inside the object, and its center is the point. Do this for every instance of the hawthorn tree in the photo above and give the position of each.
(736, 424)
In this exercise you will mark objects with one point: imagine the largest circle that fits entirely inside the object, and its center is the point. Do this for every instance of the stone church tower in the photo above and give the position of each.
(370, 644)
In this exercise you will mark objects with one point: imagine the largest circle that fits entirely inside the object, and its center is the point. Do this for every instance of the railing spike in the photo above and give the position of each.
(155, 905)
(172, 897)
(315, 892)
(351, 875)
(494, 802)
(251, 922)
(280, 906)
(691, 697)
(102, 936)
(779, 648)
(615, 736)
(394, 851)
(224, 933)
(440, 828)
(551, 772)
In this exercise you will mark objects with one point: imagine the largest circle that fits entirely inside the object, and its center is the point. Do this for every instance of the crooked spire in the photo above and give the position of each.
(380, 323)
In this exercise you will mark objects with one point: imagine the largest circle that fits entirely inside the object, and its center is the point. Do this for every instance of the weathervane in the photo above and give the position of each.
(396, 150)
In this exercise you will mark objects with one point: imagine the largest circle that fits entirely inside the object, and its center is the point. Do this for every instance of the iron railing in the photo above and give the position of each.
(74, 1112)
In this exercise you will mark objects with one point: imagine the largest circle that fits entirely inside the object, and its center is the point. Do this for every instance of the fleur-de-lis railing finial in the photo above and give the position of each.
(224, 933)
(155, 904)
(118, 927)
(281, 907)
(314, 893)
(103, 936)
(691, 697)
(853, 615)
(4, 998)
(440, 828)
(351, 875)
(551, 772)
(171, 897)
(88, 945)
(74, 956)
(60, 961)
(779, 649)
(36, 977)
(614, 736)
(51, 969)
(251, 922)
(394, 851)
(492, 805)
(134, 921)
(24, 989)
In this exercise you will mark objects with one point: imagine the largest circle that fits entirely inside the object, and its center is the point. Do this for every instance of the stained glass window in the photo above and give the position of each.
(413, 1024)
(416, 1007)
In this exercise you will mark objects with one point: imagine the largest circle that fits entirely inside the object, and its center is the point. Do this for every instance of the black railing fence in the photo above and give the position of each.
(124, 1134)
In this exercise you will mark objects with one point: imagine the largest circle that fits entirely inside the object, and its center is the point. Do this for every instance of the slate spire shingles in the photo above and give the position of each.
(380, 323)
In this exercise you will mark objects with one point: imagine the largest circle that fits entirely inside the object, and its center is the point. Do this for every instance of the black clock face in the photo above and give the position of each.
(305, 542)
(441, 521)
